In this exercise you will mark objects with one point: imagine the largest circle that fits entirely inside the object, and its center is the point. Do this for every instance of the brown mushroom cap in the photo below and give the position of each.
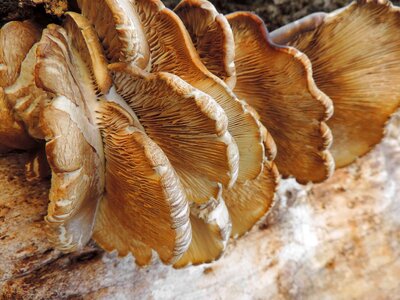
(144, 202)
(16, 38)
(74, 146)
(119, 29)
(172, 51)
(85, 42)
(211, 35)
(187, 124)
(211, 227)
(77, 178)
(277, 82)
(249, 201)
(355, 54)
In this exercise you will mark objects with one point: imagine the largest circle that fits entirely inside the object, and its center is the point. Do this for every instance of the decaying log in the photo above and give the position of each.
(339, 239)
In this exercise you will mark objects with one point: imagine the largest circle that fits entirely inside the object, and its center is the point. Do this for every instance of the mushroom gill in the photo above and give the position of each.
(355, 54)
(172, 51)
(118, 27)
(250, 201)
(277, 82)
(187, 124)
(144, 204)
(211, 227)
(212, 37)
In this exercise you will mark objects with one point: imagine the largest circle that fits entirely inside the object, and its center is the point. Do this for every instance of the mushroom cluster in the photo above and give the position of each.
(165, 130)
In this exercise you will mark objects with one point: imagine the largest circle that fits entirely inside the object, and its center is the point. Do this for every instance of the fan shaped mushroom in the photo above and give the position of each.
(354, 53)
(145, 205)
(212, 37)
(277, 82)
(16, 39)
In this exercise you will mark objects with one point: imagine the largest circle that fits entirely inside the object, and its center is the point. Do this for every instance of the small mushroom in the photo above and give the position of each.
(187, 124)
(145, 205)
(212, 36)
(211, 227)
(16, 38)
(355, 54)
(277, 81)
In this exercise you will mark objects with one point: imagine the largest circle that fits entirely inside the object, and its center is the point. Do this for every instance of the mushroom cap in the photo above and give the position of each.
(277, 82)
(118, 27)
(355, 54)
(172, 51)
(77, 176)
(211, 227)
(16, 38)
(73, 142)
(187, 124)
(12, 133)
(212, 37)
(86, 43)
(144, 200)
(249, 201)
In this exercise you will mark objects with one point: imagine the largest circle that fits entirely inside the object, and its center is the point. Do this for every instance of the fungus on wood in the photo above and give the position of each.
(169, 138)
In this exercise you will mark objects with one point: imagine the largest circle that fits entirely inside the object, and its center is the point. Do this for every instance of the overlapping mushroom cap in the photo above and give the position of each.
(145, 152)
(355, 55)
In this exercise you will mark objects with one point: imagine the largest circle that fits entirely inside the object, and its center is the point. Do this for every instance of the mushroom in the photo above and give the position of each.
(212, 37)
(73, 143)
(187, 124)
(172, 51)
(250, 201)
(16, 38)
(118, 27)
(277, 81)
(145, 206)
(211, 227)
(355, 57)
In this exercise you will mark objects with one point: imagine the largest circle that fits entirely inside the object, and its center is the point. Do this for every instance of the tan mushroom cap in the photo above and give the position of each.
(277, 82)
(211, 227)
(16, 38)
(144, 201)
(355, 54)
(77, 178)
(212, 37)
(248, 202)
(119, 29)
(172, 51)
(86, 43)
(187, 124)
(59, 111)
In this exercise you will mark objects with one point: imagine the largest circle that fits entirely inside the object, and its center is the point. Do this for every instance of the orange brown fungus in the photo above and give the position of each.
(355, 53)
(277, 82)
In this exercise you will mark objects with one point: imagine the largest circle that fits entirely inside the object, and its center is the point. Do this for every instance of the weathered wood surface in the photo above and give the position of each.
(336, 240)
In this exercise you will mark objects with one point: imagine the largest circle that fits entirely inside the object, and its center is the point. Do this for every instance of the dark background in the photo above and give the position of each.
(274, 12)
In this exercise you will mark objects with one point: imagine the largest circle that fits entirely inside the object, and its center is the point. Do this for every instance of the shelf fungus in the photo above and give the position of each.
(167, 132)
(354, 54)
